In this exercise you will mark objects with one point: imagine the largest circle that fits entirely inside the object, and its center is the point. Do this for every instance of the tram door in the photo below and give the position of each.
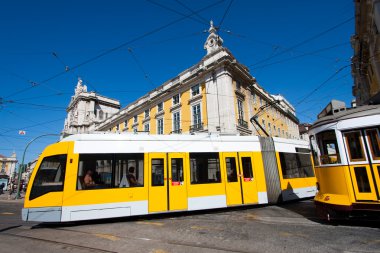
(363, 169)
(177, 181)
(248, 179)
(372, 141)
(233, 182)
(158, 195)
(240, 184)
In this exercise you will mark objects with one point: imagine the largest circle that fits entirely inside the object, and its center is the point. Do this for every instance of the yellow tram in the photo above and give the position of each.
(169, 172)
(346, 150)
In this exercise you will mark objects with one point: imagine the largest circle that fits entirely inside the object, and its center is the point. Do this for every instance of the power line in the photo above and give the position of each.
(305, 41)
(146, 76)
(185, 36)
(275, 46)
(44, 96)
(177, 12)
(32, 83)
(67, 69)
(38, 105)
(300, 56)
(30, 126)
(192, 11)
(322, 84)
(122, 45)
(225, 14)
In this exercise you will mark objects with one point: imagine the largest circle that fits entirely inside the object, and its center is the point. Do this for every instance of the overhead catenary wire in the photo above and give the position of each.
(178, 12)
(277, 46)
(305, 41)
(76, 74)
(140, 66)
(29, 81)
(302, 55)
(29, 126)
(43, 96)
(38, 105)
(225, 14)
(192, 11)
(116, 48)
(321, 85)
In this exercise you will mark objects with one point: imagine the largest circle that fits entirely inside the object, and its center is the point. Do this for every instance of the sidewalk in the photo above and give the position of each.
(12, 198)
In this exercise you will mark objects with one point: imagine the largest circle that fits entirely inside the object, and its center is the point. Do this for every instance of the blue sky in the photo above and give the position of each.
(123, 49)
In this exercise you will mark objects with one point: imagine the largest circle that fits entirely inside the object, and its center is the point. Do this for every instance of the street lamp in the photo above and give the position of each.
(22, 162)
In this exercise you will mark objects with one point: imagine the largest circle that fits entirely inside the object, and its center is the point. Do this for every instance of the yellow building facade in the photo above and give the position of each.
(216, 95)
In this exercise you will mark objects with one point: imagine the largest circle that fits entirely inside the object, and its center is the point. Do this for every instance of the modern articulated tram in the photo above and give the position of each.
(103, 175)
(346, 150)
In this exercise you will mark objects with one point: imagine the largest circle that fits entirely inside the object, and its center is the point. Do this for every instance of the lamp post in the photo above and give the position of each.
(22, 162)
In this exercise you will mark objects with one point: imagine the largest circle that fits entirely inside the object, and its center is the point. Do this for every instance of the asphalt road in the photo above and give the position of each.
(291, 227)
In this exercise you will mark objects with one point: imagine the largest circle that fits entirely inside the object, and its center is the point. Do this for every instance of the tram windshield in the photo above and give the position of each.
(328, 147)
(49, 177)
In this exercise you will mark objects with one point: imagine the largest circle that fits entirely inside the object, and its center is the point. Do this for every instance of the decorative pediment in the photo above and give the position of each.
(214, 41)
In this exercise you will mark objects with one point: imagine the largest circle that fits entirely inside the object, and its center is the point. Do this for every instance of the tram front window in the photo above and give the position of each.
(314, 148)
(328, 147)
(50, 176)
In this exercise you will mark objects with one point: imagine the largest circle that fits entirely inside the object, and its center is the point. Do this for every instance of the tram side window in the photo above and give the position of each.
(50, 176)
(158, 172)
(374, 141)
(95, 171)
(177, 170)
(204, 168)
(354, 146)
(247, 168)
(328, 147)
(231, 169)
(296, 165)
(129, 170)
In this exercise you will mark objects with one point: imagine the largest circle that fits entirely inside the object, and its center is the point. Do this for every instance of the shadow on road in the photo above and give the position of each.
(306, 208)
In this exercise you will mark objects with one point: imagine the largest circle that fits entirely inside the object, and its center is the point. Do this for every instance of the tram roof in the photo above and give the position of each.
(132, 143)
(107, 136)
(350, 113)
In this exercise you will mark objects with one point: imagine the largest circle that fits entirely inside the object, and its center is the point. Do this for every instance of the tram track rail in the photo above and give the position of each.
(193, 245)
(72, 245)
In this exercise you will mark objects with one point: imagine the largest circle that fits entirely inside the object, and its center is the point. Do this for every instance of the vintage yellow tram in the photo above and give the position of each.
(346, 152)
(170, 173)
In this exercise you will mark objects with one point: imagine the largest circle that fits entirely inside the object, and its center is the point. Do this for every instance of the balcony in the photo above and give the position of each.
(179, 131)
(196, 127)
(243, 123)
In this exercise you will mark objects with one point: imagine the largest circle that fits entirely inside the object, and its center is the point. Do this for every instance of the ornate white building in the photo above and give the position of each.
(8, 165)
(86, 109)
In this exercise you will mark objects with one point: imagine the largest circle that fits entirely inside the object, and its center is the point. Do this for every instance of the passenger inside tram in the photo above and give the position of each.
(88, 181)
(131, 177)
